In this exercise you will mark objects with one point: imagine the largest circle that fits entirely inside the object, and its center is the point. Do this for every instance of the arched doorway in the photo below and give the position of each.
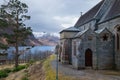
(88, 58)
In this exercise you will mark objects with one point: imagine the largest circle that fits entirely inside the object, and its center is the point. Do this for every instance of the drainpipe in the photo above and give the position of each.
(96, 28)
(96, 54)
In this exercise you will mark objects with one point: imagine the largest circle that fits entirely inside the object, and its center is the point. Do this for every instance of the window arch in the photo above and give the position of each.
(74, 43)
(118, 42)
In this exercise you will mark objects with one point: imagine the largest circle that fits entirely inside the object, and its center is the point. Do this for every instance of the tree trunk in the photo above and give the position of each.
(16, 56)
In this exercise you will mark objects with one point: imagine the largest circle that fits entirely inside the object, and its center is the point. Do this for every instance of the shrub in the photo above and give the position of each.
(31, 61)
(7, 70)
(3, 74)
(20, 67)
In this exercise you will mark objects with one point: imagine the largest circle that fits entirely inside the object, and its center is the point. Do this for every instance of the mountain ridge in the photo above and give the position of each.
(48, 39)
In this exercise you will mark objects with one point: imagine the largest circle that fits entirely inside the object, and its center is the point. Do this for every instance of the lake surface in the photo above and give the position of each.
(23, 49)
(42, 48)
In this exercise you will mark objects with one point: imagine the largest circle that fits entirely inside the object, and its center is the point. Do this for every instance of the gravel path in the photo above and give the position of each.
(85, 74)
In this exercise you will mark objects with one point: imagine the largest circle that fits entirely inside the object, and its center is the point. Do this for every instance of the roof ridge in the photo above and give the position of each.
(113, 12)
(106, 4)
(89, 15)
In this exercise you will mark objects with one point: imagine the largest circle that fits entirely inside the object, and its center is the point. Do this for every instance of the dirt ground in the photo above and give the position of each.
(34, 72)
(6, 66)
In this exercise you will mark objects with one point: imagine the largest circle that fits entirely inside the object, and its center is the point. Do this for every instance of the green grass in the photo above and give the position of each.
(4, 73)
(51, 74)
(20, 67)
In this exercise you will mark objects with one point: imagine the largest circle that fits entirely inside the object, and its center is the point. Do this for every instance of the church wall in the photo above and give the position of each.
(90, 24)
(66, 43)
(77, 59)
(111, 26)
(67, 34)
(90, 44)
(105, 54)
(87, 41)
(66, 53)
(117, 55)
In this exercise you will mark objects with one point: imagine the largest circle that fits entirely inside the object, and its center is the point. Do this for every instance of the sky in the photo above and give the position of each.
(52, 16)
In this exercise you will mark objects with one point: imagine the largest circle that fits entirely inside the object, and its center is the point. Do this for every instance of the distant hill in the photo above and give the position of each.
(33, 41)
(47, 38)
(30, 41)
(39, 38)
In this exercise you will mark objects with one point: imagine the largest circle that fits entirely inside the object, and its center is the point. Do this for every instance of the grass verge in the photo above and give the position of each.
(5, 72)
(51, 74)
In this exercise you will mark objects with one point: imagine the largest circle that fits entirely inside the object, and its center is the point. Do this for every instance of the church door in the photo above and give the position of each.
(88, 58)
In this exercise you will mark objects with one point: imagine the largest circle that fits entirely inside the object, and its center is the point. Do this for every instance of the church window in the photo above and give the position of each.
(74, 47)
(118, 29)
(105, 37)
(118, 42)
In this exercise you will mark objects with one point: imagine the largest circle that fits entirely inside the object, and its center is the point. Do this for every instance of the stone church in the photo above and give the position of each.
(94, 41)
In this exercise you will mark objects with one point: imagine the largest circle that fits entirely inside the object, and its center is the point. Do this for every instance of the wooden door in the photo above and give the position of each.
(88, 58)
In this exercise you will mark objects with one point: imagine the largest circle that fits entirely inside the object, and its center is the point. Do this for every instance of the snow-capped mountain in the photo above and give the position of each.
(41, 34)
(50, 39)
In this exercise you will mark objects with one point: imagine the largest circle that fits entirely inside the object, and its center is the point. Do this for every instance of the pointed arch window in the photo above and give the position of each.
(118, 42)
(74, 43)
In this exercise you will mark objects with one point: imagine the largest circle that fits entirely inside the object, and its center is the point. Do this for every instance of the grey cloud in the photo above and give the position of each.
(43, 11)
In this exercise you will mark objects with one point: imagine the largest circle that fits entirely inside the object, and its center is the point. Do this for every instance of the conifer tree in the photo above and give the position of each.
(14, 13)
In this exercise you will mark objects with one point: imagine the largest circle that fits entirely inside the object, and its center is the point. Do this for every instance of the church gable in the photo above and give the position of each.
(88, 33)
(104, 34)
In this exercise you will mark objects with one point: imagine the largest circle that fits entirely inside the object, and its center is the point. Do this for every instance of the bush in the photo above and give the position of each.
(31, 61)
(7, 70)
(3, 74)
(20, 67)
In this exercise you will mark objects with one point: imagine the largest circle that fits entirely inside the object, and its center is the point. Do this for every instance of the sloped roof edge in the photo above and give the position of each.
(70, 29)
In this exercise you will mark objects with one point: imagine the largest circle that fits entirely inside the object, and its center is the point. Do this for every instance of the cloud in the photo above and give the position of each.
(54, 15)
(66, 21)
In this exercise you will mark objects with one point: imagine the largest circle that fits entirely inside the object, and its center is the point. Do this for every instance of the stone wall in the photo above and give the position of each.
(105, 54)
(67, 35)
(111, 26)
(66, 51)
(84, 43)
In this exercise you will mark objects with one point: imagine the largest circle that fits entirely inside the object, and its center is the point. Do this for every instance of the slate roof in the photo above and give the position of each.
(89, 15)
(81, 33)
(113, 12)
(101, 30)
(70, 29)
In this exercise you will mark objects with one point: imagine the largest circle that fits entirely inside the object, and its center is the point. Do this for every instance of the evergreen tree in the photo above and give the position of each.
(14, 14)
